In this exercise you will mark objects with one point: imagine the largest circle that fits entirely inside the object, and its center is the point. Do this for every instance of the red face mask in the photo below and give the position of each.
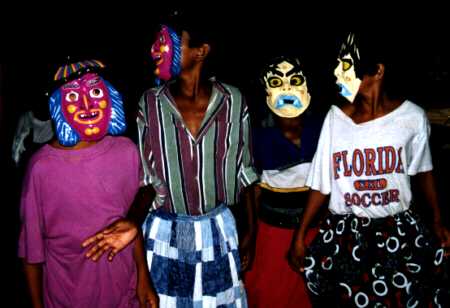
(86, 105)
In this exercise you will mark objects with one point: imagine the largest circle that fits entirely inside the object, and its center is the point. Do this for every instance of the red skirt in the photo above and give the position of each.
(271, 282)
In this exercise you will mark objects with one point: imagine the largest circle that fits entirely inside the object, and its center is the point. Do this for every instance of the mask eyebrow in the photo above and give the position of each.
(274, 71)
(294, 71)
(71, 86)
(93, 81)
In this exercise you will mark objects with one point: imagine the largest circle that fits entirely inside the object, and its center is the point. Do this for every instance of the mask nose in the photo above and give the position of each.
(286, 85)
(86, 103)
(338, 70)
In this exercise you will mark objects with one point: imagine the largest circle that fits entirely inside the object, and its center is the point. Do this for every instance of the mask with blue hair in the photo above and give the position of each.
(85, 107)
(166, 52)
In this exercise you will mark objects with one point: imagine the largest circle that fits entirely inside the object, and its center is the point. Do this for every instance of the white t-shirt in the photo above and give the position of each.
(366, 167)
(289, 178)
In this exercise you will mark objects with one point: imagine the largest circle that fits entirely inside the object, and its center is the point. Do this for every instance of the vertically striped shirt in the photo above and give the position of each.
(193, 175)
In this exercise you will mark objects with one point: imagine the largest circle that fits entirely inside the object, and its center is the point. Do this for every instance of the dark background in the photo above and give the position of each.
(35, 41)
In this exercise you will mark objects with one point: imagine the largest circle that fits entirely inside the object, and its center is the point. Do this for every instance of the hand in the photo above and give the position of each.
(146, 294)
(443, 234)
(113, 238)
(296, 255)
(247, 252)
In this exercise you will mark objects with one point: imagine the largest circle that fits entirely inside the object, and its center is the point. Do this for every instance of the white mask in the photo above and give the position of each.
(346, 78)
(345, 71)
(287, 91)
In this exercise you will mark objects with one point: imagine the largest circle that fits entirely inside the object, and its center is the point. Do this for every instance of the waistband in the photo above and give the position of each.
(280, 217)
(406, 217)
(290, 200)
(184, 217)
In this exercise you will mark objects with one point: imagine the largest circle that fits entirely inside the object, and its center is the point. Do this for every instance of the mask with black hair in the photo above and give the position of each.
(348, 70)
(286, 87)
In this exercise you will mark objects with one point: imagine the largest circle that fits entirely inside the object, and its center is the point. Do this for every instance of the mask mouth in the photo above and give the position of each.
(90, 117)
(343, 90)
(288, 100)
(157, 58)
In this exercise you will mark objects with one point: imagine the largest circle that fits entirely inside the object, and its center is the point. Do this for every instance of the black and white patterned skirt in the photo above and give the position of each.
(383, 262)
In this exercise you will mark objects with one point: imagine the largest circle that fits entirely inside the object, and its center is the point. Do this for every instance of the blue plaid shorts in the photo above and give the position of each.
(194, 260)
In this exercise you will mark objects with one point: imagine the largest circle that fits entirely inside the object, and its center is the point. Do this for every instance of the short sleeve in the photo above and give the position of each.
(319, 176)
(31, 240)
(419, 155)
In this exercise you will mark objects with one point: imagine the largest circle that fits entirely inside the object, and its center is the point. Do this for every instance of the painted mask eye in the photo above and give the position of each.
(346, 64)
(72, 96)
(154, 49)
(159, 40)
(275, 82)
(96, 93)
(297, 80)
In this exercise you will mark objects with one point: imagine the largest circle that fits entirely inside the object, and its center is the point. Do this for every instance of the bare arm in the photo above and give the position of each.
(247, 244)
(141, 205)
(427, 185)
(257, 198)
(33, 273)
(122, 232)
(145, 291)
(297, 251)
(250, 206)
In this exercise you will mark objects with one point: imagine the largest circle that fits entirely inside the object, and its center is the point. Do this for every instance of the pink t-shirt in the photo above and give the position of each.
(69, 195)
